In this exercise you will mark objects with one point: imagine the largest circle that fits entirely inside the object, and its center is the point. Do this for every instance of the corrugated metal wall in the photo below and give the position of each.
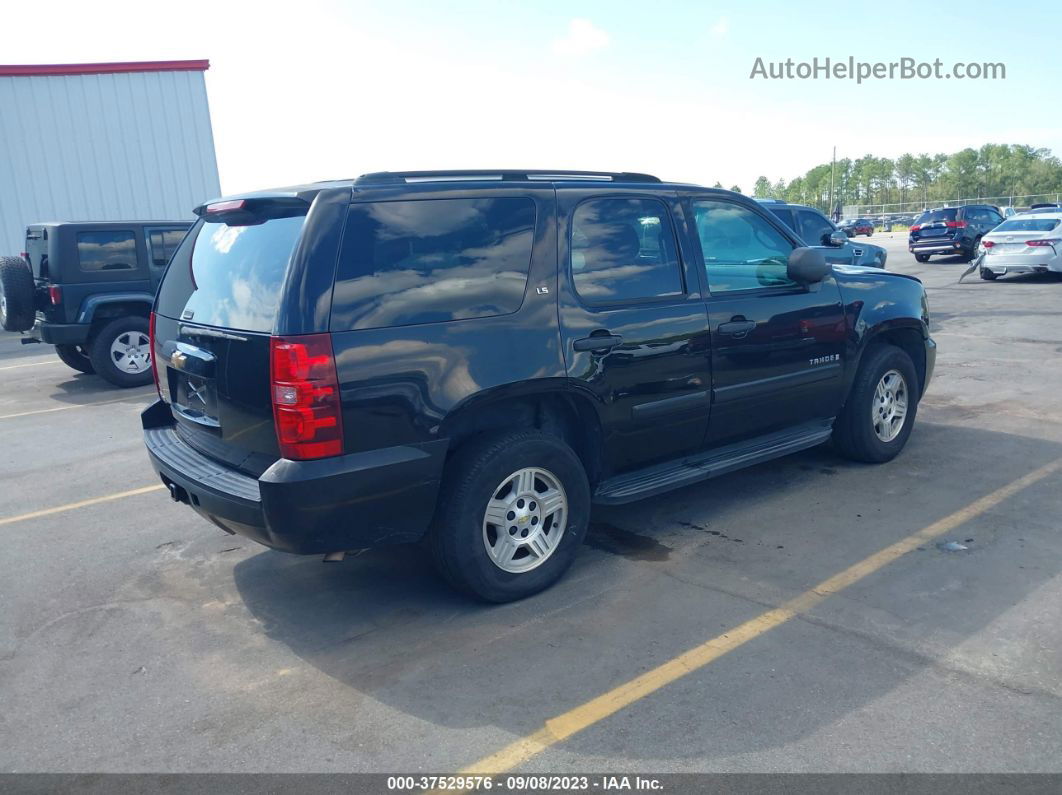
(129, 146)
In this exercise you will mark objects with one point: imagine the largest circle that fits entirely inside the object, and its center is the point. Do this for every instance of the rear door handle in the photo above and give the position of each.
(597, 342)
(737, 328)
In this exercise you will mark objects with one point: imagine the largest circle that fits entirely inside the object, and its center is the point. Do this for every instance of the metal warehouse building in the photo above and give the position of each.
(102, 142)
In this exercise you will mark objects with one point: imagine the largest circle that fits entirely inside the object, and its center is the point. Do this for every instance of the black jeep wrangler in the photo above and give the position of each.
(87, 289)
(473, 359)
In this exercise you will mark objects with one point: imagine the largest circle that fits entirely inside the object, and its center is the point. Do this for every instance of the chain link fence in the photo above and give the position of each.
(898, 212)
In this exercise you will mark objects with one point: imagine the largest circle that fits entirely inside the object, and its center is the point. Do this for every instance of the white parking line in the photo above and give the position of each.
(76, 406)
(31, 364)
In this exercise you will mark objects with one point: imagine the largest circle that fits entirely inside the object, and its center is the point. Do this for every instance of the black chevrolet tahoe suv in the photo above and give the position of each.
(87, 289)
(952, 230)
(473, 359)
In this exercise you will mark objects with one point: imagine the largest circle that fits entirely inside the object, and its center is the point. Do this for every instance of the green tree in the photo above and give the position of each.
(735, 188)
(762, 188)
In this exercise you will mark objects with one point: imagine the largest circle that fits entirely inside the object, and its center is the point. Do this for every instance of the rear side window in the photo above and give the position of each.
(934, 216)
(107, 250)
(237, 273)
(431, 260)
(785, 216)
(624, 250)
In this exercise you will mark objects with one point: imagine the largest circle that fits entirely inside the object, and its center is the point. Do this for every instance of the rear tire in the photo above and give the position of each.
(921, 257)
(17, 312)
(120, 352)
(483, 481)
(885, 385)
(987, 275)
(75, 357)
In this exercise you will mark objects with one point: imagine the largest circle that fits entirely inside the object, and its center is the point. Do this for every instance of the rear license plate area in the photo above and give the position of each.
(194, 397)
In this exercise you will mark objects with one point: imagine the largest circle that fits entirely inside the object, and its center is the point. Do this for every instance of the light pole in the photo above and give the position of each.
(833, 167)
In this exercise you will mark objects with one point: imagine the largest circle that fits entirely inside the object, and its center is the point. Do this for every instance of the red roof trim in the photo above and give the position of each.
(50, 70)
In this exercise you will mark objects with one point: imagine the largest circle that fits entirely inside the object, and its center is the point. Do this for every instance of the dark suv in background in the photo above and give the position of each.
(816, 230)
(87, 289)
(473, 358)
(952, 230)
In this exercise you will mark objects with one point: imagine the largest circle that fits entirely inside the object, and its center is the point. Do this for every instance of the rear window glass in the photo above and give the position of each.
(933, 216)
(107, 250)
(407, 262)
(238, 272)
(1027, 225)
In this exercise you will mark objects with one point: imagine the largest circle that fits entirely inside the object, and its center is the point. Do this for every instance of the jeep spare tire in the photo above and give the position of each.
(17, 312)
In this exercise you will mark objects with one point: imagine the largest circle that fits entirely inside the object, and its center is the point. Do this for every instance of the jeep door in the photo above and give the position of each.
(778, 347)
(633, 326)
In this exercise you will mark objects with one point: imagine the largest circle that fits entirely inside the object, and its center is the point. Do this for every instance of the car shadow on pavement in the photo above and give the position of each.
(384, 626)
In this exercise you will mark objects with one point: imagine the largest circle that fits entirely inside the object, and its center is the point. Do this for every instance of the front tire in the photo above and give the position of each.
(121, 353)
(512, 513)
(75, 357)
(877, 418)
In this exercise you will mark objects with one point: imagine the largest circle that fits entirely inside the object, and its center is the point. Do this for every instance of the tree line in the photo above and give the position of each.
(994, 170)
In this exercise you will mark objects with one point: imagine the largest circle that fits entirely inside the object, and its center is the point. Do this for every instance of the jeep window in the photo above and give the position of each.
(624, 250)
(785, 216)
(813, 226)
(741, 250)
(107, 250)
(936, 216)
(407, 262)
(161, 245)
(236, 275)
(1028, 225)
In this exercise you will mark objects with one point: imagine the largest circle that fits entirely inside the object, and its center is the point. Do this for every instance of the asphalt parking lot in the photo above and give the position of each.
(137, 637)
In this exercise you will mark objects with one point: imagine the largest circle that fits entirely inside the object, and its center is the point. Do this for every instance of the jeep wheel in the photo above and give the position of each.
(987, 275)
(121, 353)
(76, 357)
(17, 312)
(877, 417)
(921, 257)
(512, 513)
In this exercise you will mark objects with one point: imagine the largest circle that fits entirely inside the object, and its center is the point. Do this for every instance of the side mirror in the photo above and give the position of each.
(807, 266)
(835, 239)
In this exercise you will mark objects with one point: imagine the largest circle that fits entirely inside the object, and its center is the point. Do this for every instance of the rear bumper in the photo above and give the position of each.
(937, 246)
(1004, 265)
(307, 507)
(61, 333)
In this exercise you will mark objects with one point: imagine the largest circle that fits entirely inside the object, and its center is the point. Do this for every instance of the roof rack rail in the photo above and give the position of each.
(503, 175)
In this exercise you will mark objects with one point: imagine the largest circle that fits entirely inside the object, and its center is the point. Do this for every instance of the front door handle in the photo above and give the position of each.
(737, 328)
(597, 342)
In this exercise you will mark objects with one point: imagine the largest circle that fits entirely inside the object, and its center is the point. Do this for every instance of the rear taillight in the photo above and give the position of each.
(987, 243)
(55, 294)
(955, 224)
(915, 228)
(151, 352)
(1048, 242)
(305, 392)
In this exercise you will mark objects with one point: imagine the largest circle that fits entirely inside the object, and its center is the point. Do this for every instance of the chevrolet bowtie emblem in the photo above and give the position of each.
(197, 392)
(178, 360)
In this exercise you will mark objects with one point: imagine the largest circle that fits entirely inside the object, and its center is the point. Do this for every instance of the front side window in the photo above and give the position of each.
(107, 250)
(813, 227)
(162, 243)
(624, 250)
(741, 250)
(432, 260)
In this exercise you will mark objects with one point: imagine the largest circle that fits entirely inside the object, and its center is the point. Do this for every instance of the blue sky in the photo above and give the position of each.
(315, 89)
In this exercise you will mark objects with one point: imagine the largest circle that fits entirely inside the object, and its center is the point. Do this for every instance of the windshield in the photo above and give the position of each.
(1027, 225)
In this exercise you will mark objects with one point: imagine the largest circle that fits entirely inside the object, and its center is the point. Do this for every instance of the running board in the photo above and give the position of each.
(670, 475)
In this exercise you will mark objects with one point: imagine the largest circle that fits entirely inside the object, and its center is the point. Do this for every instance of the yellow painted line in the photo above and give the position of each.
(73, 506)
(597, 709)
(73, 406)
(31, 364)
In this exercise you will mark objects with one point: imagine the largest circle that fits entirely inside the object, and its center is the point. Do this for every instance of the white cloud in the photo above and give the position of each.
(582, 38)
(720, 28)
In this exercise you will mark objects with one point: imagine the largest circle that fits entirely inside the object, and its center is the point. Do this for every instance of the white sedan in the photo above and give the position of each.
(1025, 243)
